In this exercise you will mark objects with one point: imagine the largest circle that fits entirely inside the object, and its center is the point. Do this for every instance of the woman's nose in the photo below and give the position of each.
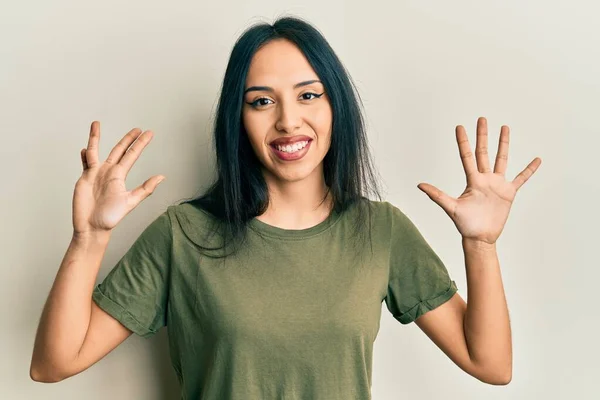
(289, 118)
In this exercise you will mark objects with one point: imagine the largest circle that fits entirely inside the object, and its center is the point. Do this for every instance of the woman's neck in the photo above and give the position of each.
(297, 205)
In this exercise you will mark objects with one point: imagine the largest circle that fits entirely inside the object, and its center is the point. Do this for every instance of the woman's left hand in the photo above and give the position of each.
(482, 209)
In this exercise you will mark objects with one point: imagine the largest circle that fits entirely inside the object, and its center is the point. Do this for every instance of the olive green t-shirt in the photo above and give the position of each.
(291, 316)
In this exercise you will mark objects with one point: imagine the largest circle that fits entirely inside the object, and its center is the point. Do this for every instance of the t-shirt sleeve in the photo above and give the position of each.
(418, 279)
(135, 291)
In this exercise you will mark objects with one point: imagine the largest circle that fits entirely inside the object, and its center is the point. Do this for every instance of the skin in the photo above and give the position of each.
(296, 187)
(477, 335)
(73, 332)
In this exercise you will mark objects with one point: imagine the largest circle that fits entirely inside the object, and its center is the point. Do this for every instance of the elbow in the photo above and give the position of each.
(494, 375)
(501, 380)
(498, 377)
(44, 375)
(507, 377)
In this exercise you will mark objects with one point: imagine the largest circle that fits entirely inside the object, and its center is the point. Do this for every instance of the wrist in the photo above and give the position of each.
(91, 237)
(478, 245)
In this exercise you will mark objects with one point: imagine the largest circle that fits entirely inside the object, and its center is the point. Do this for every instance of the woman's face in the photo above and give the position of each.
(284, 100)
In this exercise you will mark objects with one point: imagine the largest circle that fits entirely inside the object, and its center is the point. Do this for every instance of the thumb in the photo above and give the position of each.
(439, 197)
(141, 192)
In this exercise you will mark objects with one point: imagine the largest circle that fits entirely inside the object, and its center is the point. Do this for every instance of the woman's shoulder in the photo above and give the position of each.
(374, 213)
(385, 214)
(191, 209)
(381, 209)
(192, 221)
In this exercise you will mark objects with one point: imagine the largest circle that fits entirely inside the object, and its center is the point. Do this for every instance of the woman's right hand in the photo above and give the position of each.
(100, 199)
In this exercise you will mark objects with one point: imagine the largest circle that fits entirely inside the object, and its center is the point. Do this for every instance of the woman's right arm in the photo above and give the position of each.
(73, 332)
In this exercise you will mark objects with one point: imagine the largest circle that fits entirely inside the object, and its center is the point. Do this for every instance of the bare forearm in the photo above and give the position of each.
(66, 314)
(486, 323)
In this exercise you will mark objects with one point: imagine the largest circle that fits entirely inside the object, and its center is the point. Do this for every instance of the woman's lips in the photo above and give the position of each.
(291, 156)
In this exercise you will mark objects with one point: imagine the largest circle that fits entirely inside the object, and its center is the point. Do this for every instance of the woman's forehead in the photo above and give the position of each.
(279, 63)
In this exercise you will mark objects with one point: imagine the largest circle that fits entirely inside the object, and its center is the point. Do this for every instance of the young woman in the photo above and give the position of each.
(271, 283)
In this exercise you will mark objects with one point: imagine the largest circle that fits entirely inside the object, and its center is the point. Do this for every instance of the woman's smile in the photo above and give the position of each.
(291, 152)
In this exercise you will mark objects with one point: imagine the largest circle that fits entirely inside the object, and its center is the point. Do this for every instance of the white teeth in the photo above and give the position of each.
(292, 148)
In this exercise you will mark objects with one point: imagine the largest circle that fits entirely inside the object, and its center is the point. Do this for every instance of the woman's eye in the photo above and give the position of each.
(263, 101)
(311, 94)
(259, 102)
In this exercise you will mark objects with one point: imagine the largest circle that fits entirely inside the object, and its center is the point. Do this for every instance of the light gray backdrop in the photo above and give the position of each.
(421, 68)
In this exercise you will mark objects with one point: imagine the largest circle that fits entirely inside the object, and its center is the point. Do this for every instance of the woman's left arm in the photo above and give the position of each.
(486, 321)
(477, 335)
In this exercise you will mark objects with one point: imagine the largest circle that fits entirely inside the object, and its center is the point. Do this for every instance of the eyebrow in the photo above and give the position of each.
(270, 89)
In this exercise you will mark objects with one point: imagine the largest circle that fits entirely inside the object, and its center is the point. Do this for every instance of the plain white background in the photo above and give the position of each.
(421, 68)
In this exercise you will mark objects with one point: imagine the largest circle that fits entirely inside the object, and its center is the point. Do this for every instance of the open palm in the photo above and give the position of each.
(481, 211)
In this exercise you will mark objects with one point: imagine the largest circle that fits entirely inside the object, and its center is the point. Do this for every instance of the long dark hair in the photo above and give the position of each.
(240, 192)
